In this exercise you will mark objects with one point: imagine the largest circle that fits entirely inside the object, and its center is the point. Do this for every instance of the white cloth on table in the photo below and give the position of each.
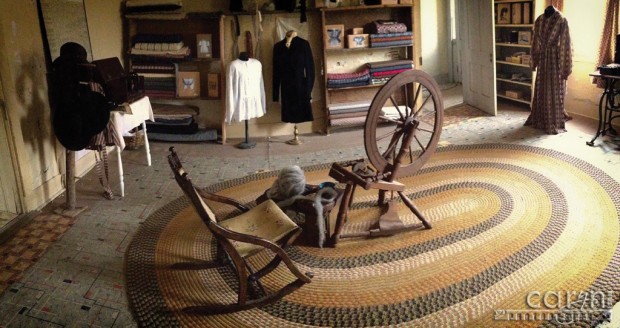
(245, 97)
(140, 111)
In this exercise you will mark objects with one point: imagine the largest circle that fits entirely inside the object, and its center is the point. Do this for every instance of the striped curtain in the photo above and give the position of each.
(608, 44)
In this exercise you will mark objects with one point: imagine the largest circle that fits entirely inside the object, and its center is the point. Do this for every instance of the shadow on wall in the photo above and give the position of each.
(31, 90)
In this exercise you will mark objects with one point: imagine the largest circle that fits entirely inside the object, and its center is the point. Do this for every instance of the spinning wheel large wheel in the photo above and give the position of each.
(407, 111)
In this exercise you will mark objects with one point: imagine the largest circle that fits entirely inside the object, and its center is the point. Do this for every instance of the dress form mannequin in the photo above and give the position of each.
(290, 35)
(247, 144)
(549, 11)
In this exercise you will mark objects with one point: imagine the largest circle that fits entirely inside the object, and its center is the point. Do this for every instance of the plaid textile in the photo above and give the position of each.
(390, 35)
(389, 63)
(374, 44)
(346, 85)
(389, 73)
(390, 68)
(552, 56)
(345, 76)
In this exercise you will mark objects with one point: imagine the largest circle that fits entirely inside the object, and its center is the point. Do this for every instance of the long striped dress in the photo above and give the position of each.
(552, 57)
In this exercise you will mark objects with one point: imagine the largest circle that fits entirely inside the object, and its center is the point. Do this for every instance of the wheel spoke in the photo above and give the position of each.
(423, 103)
(397, 108)
(406, 86)
(390, 151)
(426, 127)
(391, 120)
(420, 144)
(387, 135)
(417, 94)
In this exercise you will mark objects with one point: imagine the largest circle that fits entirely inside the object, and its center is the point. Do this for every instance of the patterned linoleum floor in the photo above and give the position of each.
(78, 280)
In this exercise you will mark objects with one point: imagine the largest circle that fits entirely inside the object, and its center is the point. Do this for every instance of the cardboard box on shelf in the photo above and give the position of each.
(357, 41)
(514, 94)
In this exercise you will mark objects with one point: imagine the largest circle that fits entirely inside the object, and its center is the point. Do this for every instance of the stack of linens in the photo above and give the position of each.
(344, 80)
(381, 72)
(177, 123)
(153, 57)
(154, 9)
(396, 39)
(173, 119)
(156, 47)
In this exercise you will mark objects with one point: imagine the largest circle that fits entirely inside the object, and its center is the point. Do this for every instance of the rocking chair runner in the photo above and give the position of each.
(262, 227)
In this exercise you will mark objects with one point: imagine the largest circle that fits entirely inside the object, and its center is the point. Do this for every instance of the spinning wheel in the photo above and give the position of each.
(402, 130)
(410, 107)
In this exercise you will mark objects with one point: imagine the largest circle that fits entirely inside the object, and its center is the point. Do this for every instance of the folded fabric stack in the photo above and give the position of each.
(156, 47)
(154, 9)
(173, 119)
(153, 57)
(352, 113)
(177, 123)
(344, 80)
(381, 72)
(391, 39)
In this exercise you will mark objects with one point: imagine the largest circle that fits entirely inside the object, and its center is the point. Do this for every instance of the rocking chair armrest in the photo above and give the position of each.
(221, 199)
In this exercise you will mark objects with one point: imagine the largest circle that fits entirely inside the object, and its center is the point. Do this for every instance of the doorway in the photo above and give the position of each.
(475, 36)
(10, 206)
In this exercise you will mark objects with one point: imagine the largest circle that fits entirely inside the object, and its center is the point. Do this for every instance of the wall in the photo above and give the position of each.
(39, 159)
(105, 42)
(435, 34)
(37, 156)
(585, 19)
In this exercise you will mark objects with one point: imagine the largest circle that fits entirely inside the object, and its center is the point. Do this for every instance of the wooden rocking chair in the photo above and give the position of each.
(262, 227)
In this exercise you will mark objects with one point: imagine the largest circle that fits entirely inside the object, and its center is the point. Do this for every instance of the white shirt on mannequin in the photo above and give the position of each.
(245, 89)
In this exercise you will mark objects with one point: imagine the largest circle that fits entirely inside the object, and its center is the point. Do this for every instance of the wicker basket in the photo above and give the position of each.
(134, 140)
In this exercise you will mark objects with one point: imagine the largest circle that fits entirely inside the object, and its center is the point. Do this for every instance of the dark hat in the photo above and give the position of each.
(78, 112)
(77, 120)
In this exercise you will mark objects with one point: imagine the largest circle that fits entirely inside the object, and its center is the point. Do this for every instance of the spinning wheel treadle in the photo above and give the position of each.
(402, 130)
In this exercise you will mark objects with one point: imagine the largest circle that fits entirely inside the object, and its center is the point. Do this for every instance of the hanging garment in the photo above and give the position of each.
(245, 97)
(293, 79)
(552, 57)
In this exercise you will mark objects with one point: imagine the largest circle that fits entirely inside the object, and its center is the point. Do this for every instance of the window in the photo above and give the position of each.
(585, 19)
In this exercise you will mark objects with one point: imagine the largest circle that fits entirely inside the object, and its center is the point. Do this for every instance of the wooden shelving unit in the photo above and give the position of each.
(349, 60)
(514, 78)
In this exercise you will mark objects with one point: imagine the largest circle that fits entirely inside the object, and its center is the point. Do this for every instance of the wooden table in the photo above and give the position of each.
(137, 113)
(608, 106)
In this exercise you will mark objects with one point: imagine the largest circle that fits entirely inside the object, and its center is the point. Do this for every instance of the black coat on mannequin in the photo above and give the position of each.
(293, 78)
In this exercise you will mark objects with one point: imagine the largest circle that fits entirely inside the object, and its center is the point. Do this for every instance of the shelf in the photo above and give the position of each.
(364, 49)
(516, 82)
(342, 105)
(503, 44)
(357, 87)
(524, 101)
(515, 25)
(504, 1)
(511, 64)
(366, 7)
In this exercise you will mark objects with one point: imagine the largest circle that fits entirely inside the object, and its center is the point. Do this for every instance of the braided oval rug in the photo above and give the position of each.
(517, 231)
